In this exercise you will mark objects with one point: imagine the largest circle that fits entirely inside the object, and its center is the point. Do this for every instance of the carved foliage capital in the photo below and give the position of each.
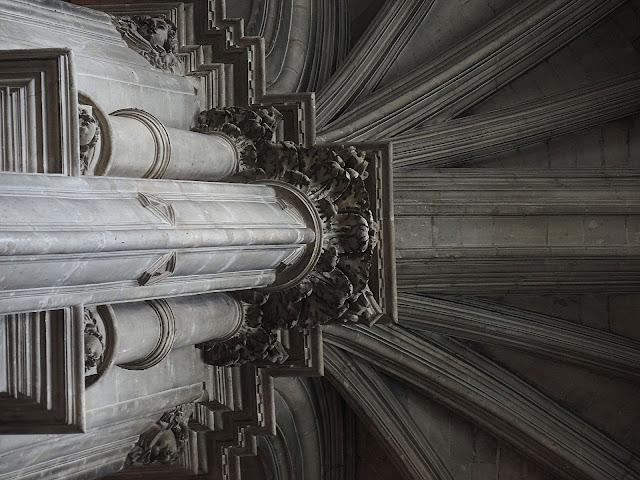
(254, 341)
(337, 288)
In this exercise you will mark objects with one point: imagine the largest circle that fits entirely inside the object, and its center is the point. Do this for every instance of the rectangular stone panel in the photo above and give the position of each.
(38, 112)
(42, 372)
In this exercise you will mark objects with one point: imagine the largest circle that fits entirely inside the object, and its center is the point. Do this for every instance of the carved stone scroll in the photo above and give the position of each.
(336, 288)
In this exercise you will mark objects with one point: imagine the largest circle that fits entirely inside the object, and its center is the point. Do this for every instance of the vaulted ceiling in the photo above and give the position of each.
(516, 134)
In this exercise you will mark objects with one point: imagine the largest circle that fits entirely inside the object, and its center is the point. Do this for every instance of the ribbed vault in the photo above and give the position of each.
(520, 317)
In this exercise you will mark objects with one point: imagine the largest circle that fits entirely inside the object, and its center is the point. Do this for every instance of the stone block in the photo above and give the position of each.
(594, 311)
(562, 152)
(624, 312)
(510, 464)
(521, 231)
(484, 449)
(447, 232)
(477, 231)
(615, 146)
(484, 471)
(461, 447)
(413, 232)
(604, 231)
(633, 230)
(566, 230)
(634, 142)
(589, 148)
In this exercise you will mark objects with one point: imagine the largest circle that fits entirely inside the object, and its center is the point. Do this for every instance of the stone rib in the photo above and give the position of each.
(368, 394)
(506, 48)
(491, 322)
(490, 191)
(511, 274)
(372, 56)
(481, 390)
(481, 136)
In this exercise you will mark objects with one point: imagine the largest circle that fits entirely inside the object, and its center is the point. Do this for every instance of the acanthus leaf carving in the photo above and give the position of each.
(336, 289)
(252, 342)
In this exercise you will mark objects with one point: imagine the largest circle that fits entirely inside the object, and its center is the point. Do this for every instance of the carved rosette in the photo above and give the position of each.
(165, 441)
(154, 37)
(336, 289)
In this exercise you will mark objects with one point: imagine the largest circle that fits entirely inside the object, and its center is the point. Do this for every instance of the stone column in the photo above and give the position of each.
(92, 240)
(138, 335)
(481, 231)
(136, 144)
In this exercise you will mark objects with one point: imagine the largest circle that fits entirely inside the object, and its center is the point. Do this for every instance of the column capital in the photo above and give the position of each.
(336, 289)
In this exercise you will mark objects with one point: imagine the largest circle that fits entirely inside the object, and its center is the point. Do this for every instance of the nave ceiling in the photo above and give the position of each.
(489, 89)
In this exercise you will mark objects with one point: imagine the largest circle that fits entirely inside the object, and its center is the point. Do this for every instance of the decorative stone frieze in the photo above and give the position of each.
(165, 441)
(332, 179)
(153, 37)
